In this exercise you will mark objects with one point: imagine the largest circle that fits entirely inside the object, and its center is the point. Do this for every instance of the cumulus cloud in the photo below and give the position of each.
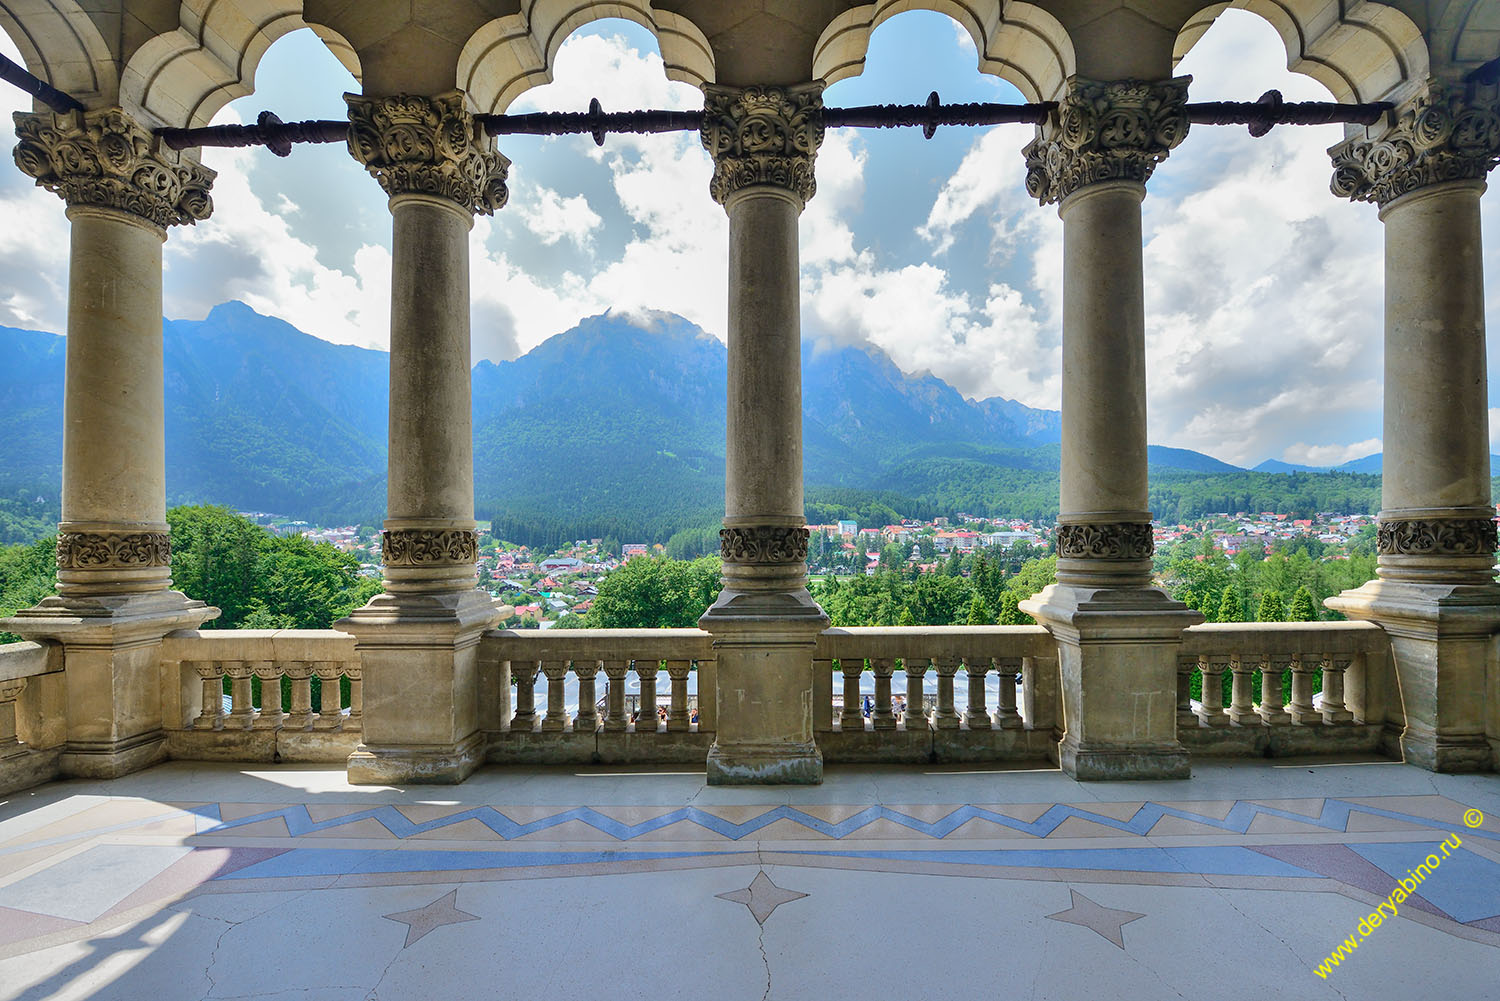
(552, 217)
(1329, 455)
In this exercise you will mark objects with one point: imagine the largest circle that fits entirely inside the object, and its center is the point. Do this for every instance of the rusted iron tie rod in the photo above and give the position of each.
(1260, 116)
(40, 89)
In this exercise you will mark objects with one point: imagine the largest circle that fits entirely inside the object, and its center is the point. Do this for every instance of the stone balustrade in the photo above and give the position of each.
(272, 714)
(906, 725)
(1337, 701)
(515, 662)
(31, 714)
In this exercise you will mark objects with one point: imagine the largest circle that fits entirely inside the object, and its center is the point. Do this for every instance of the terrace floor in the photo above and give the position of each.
(196, 881)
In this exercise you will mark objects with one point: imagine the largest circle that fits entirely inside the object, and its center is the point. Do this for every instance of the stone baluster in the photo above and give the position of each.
(1007, 717)
(211, 714)
(977, 717)
(1335, 667)
(1301, 709)
(301, 715)
(1242, 690)
(524, 673)
(645, 671)
(330, 708)
(270, 717)
(10, 741)
(556, 719)
(852, 719)
(914, 718)
(241, 708)
(1186, 665)
(678, 718)
(882, 718)
(822, 694)
(1117, 633)
(764, 623)
(1272, 707)
(1211, 707)
(356, 675)
(616, 717)
(587, 720)
(945, 716)
(1425, 166)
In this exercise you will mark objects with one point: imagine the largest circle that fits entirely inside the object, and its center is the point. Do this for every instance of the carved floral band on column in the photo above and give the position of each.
(1115, 131)
(1437, 537)
(1443, 134)
(424, 547)
(762, 135)
(428, 146)
(113, 550)
(103, 158)
(763, 544)
(1128, 540)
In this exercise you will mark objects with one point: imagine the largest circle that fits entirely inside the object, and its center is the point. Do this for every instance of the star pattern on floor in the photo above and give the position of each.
(421, 920)
(762, 896)
(1107, 921)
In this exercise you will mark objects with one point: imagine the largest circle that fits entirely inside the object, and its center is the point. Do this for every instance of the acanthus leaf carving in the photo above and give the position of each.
(763, 135)
(764, 544)
(413, 144)
(1106, 131)
(422, 547)
(105, 159)
(1437, 537)
(1129, 540)
(113, 550)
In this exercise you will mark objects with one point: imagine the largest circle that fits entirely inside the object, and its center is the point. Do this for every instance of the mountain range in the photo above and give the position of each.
(613, 427)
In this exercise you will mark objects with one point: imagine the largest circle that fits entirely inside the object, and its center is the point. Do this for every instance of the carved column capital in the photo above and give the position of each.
(421, 547)
(1128, 540)
(415, 145)
(113, 550)
(106, 159)
(1106, 131)
(1442, 134)
(762, 135)
(1436, 537)
(763, 544)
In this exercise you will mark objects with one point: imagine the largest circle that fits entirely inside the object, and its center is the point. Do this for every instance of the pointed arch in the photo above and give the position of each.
(62, 45)
(510, 55)
(1361, 50)
(1018, 42)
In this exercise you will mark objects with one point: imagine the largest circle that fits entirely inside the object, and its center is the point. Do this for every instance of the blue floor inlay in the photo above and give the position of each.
(348, 861)
(1465, 885)
(1215, 860)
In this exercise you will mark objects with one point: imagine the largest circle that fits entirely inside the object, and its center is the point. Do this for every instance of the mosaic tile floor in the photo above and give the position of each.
(217, 882)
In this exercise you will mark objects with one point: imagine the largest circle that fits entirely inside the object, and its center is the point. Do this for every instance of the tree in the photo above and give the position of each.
(1229, 606)
(1271, 608)
(1303, 609)
(649, 593)
(1010, 611)
(979, 613)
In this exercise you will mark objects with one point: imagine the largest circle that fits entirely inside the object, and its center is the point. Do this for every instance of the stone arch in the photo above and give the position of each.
(1465, 35)
(1018, 42)
(1361, 50)
(510, 55)
(62, 45)
(184, 77)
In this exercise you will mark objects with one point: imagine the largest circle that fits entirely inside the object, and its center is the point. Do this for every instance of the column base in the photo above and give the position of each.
(112, 665)
(770, 764)
(394, 765)
(1441, 636)
(1117, 658)
(1117, 762)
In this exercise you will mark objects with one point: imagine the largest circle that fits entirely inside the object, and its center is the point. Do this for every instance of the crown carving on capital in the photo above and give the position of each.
(1106, 131)
(415, 145)
(105, 159)
(1442, 134)
(762, 135)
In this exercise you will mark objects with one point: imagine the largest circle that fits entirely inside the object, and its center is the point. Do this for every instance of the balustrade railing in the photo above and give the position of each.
(917, 726)
(1282, 688)
(629, 723)
(31, 714)
(286, 700)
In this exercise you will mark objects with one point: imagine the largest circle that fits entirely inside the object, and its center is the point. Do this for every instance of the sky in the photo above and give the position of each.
(1263, 290)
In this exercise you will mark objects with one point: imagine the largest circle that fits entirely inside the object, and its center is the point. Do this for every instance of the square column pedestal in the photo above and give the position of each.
(764, 646)
(1442, 643)
(419, 658)
(1117, 653)
(112, 660)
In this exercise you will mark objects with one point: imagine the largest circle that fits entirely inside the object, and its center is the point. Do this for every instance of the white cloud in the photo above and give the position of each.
(552, 218)
(1329, 455)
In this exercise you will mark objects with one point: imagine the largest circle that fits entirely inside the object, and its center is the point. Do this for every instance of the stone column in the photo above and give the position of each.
(763, 141)
(1435, 594)
(418, 641)
(1117, 634)
(114, 602)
